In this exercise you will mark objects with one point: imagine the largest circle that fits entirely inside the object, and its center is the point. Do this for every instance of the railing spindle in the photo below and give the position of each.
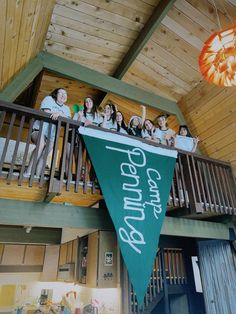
(13, 161)
(7, 140)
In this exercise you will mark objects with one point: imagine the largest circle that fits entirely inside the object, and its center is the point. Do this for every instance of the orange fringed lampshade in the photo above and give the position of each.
(217, 60)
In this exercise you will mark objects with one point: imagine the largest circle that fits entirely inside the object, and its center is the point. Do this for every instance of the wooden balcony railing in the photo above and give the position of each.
(200, 185)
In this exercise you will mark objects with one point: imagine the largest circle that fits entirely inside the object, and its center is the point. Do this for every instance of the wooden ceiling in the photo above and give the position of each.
(100, 33)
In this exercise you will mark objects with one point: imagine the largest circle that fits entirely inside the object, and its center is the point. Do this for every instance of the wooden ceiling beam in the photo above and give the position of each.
(22, 80)
(154, 21)
(14, 212)
(91, 77)
(108, 84)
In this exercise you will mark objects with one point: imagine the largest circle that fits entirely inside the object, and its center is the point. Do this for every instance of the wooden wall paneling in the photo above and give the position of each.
(151, 74)
(204, 97)
(2, 39)
(33, 33)
(169, 79)
(192, 26)
(135, 77)
(93, 20)
(145, 7)
(34, 255)
(64, 26)
(196, 15)
(133, 14)
(10, 11)
(183, 33)
(13, 254)
(171, 63)
(42, 28)
(224, 126)
(207, 8)
(61, 36)
(171, 42)
(25, 29)
(103, 14)
(199, 121)
(93, 40)
(226, 5)
(73, 54)
(15, 36)
(30, 20)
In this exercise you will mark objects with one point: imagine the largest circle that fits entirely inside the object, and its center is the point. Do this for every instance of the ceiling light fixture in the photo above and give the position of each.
(217, 60)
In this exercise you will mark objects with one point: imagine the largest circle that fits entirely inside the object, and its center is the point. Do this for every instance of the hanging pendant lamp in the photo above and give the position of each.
(217, 60)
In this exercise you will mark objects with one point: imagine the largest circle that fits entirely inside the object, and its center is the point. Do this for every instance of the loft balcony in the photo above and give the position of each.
(201, 187)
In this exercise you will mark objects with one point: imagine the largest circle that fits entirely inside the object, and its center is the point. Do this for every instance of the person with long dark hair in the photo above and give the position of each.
(121, 125)
(136, 123)
(109, 117)
(89, 114)
(184, 139)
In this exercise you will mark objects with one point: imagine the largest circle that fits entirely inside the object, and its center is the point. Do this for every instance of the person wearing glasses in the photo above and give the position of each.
(55, 105)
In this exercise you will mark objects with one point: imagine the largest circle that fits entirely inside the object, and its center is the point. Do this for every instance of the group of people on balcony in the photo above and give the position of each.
(110, 118)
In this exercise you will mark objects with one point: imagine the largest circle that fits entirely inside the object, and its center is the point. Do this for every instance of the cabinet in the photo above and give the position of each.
(68, 252)
(34, 255)
(21, 255)
(97, 260)
(50, 265)
(13, 254)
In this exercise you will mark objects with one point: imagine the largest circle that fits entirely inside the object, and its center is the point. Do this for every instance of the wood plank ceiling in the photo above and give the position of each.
(99, 33)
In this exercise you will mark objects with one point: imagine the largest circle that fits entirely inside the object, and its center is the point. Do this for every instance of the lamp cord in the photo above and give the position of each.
(217, 15)
(227, 13)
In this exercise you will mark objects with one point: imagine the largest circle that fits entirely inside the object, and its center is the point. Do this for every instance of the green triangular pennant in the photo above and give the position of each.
(135, 179)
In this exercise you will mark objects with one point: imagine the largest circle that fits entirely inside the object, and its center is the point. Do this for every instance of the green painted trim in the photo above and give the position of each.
(22, 80)
(194, 228)
(53, 215)
(107, 83)
(154, 21)
(14, 234)
(94, 78)
(14, 212)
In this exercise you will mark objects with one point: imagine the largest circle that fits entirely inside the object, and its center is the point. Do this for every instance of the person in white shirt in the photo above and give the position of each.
(89, 115)
(109, 117)
(55, 105)
(164, 133)
(185, 141)
(121, 125)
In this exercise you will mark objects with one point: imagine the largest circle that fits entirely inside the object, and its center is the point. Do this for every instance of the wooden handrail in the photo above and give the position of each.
(201, 184)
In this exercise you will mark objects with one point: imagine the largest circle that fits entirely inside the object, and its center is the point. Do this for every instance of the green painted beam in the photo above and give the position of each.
(53, 215)
(107, 83)
(194, 228)
(61, 216)
(15, 234)
(22, 80)
(154, 21)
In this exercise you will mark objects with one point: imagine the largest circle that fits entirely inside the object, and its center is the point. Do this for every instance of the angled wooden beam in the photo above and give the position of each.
(22, 80)
(15, 234)
(154, 21)
(61, 216)
(107, 83)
